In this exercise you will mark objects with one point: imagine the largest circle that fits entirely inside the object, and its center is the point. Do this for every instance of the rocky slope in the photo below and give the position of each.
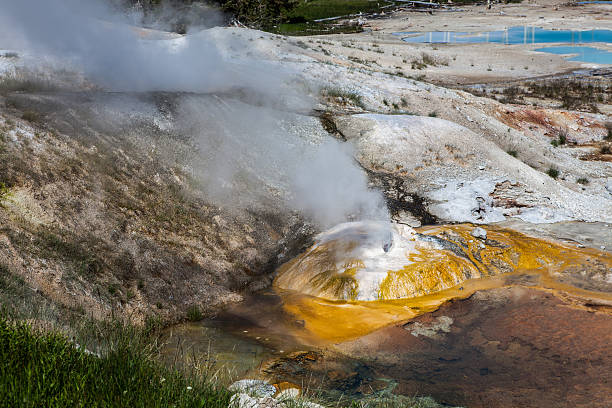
(101, 212)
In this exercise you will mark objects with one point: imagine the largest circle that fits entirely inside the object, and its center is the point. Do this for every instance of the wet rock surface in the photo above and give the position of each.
(356, 261)
(506, 347)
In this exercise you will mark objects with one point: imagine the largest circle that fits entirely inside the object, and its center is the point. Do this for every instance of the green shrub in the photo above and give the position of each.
(582, 180)
(512, 153)
(433, 115)
(4, 192)
(30, 116)
(553, 172)
(562, 138)
(608, 126)
(194, 314)
(351, 97)
(430, 60)
(416, 64)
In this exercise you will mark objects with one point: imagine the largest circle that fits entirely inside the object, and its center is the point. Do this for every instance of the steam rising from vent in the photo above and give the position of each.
(87, 35)
(251, 151)
(330, 187)
(250, 155)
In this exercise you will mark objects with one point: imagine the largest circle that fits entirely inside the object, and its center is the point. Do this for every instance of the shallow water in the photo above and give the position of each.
(512, 35)
(222, 351)
(582, 54)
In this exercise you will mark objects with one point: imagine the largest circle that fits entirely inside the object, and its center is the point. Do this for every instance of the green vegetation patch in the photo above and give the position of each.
(47, 370)
(608, 136)
(349, 97)
(582, 180)
(4, 192)
(553, 172)
(194, 314)
(300, 18)
(319, 9)
(25, 81)
(308, 28)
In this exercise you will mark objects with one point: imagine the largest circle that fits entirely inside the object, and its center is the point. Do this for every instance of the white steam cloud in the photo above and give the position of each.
(251, 154)
(89, 36)
(247, 155)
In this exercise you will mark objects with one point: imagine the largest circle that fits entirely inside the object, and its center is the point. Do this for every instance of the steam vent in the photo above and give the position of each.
(368, 261)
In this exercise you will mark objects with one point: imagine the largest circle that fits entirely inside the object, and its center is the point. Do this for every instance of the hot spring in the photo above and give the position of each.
(373, 261)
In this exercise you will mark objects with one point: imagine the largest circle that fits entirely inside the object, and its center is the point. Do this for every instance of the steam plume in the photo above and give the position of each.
(247, 154)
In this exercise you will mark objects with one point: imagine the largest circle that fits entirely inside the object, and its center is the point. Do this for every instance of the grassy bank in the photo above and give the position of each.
(47, 370)
(300, 19)
(318, 9)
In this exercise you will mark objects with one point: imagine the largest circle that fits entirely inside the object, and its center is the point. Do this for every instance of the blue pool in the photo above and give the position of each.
(512, 35)
(582, 54)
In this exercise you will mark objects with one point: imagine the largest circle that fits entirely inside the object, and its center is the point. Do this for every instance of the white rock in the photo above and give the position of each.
(609, 186)
(254, 388)
(246, 401)
(242, 401)
(479, 233)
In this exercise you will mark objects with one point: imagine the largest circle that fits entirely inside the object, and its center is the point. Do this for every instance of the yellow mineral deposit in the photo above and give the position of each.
(359, 277)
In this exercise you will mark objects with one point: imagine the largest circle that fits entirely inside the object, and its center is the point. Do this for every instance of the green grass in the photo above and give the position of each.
(562, 138)
(47, 370)
(318, 9)
(4, 192)
(300, 20)
(312, 28)
(349, 97)
(24, 81)
(3, 139)
(608, 126)
(194, 314)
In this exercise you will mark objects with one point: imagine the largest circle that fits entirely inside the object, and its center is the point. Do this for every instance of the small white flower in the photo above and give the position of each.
(189, 388)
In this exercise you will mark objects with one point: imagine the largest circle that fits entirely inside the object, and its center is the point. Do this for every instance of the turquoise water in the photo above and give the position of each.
(583, 54)
(512, 35)
(596, 2)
